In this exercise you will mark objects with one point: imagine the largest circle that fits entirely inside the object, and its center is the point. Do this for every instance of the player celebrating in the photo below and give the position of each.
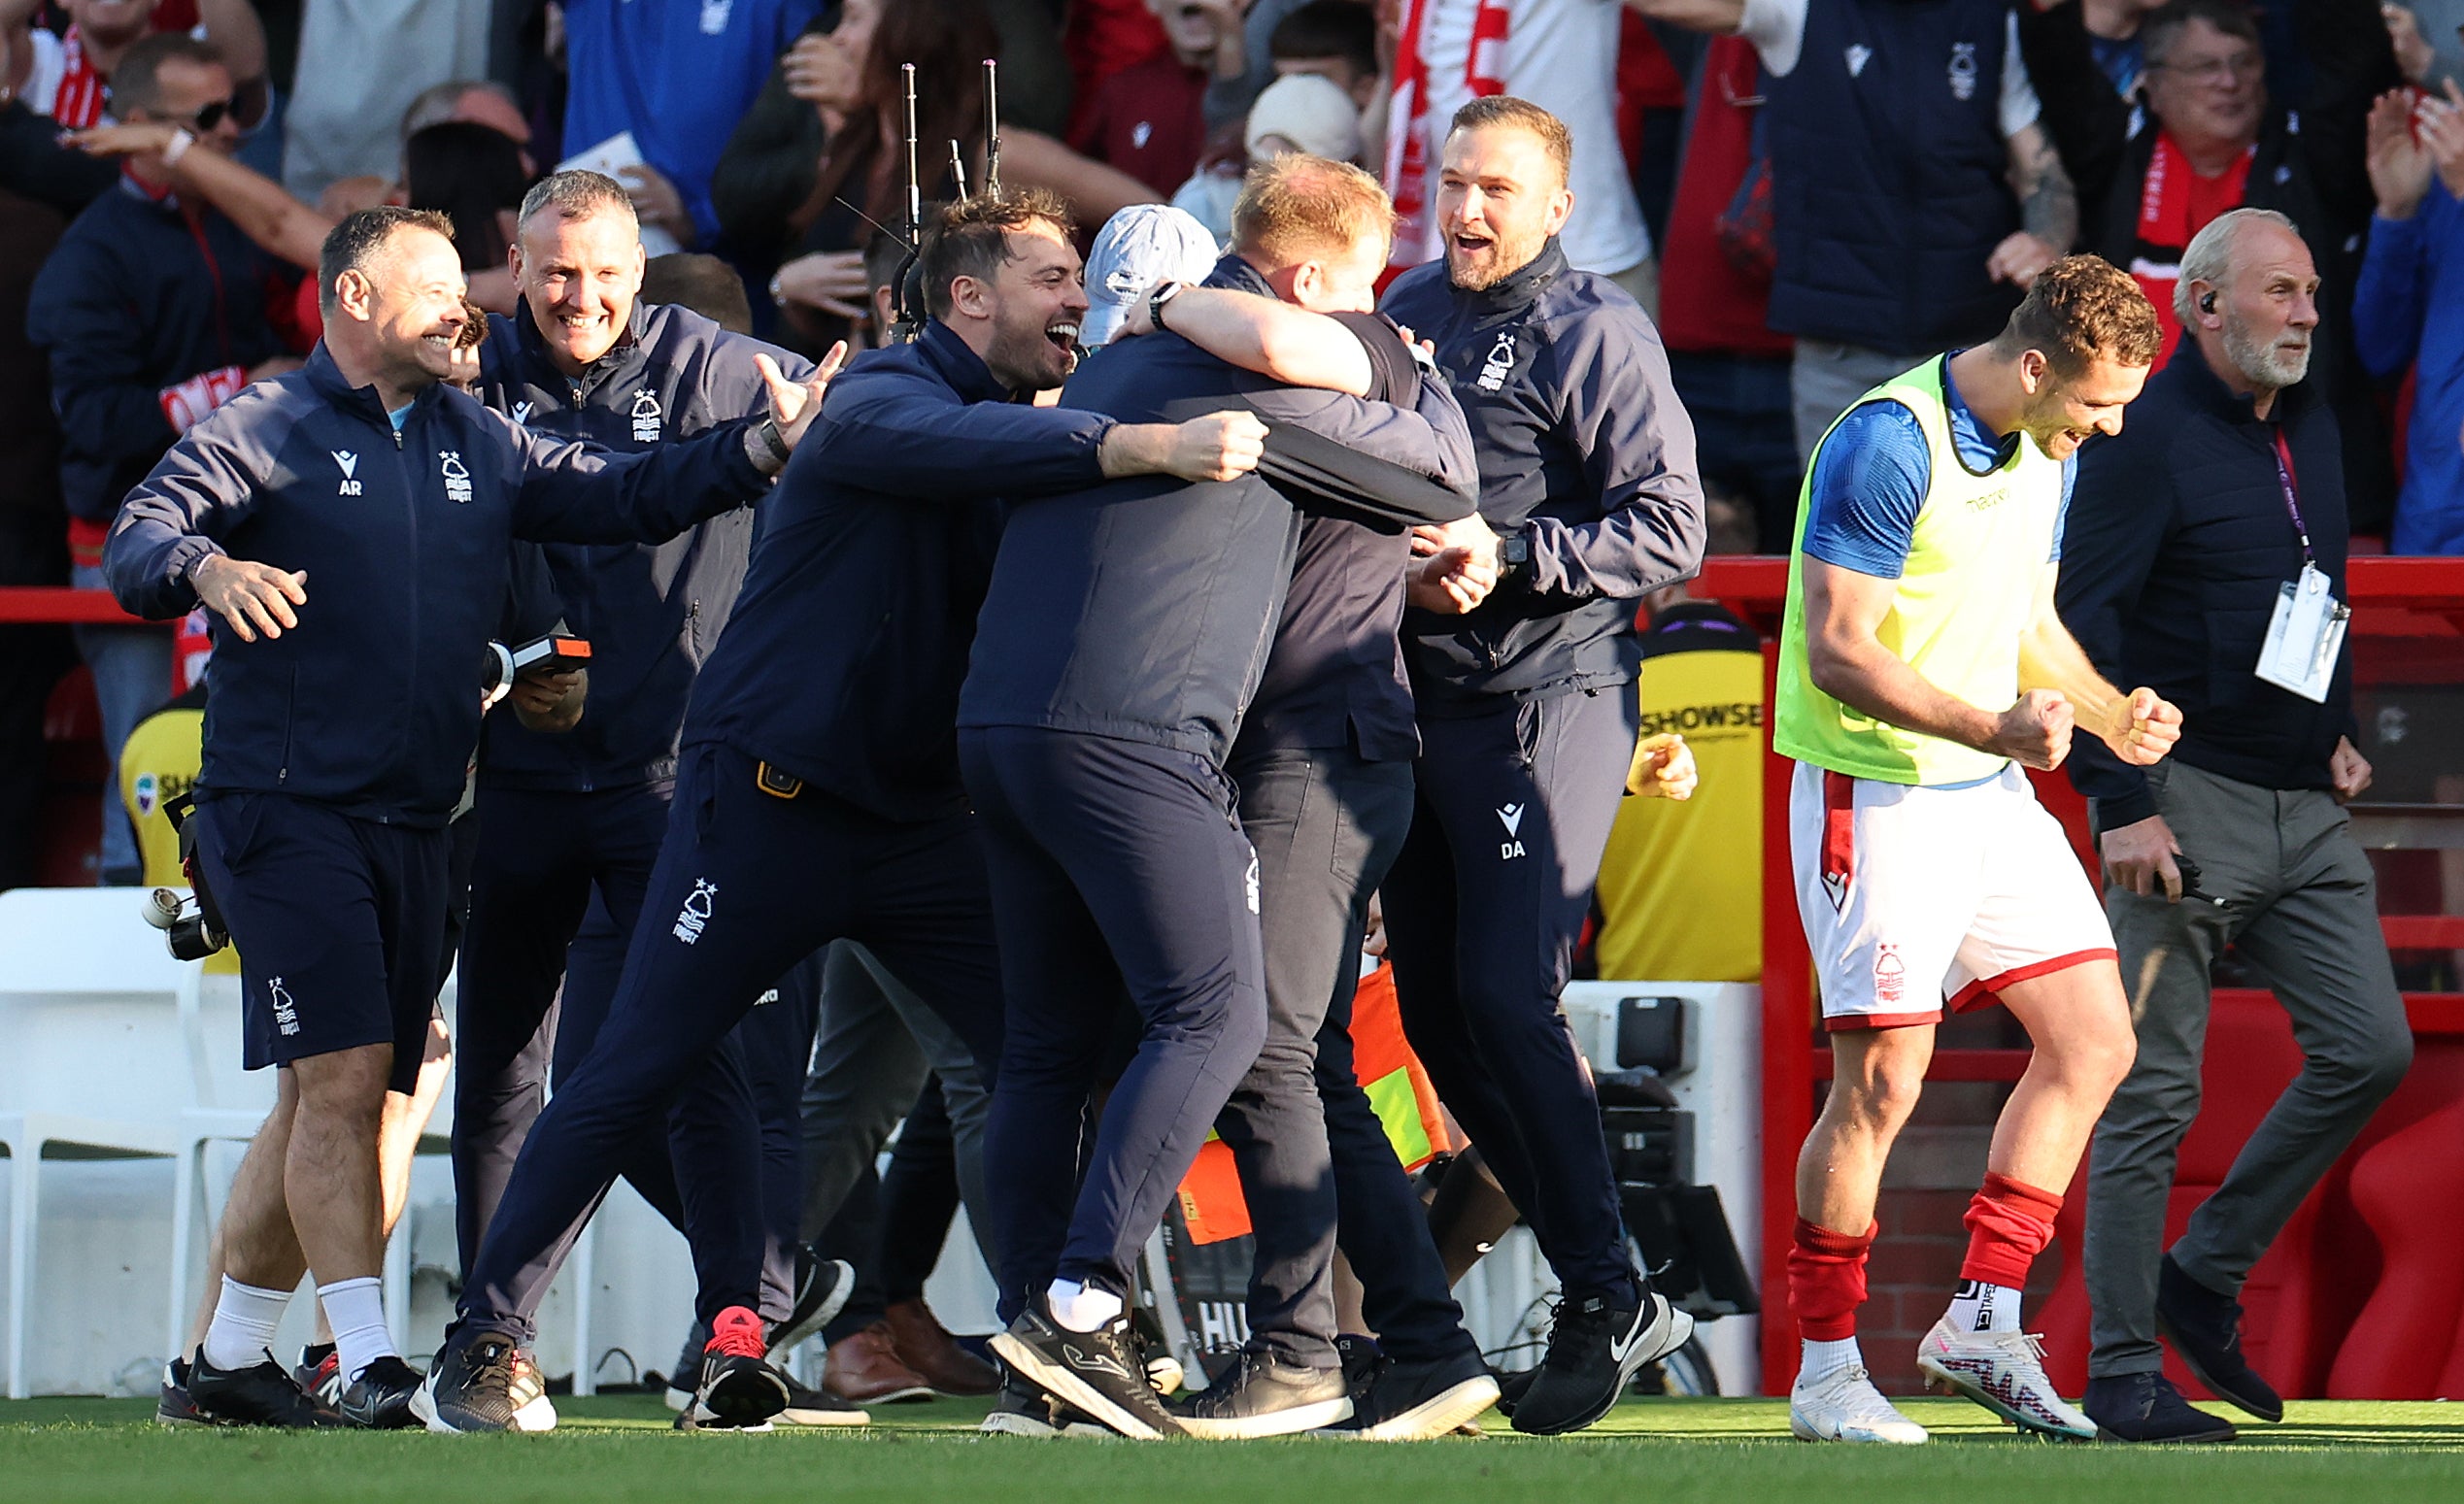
(1922, 663)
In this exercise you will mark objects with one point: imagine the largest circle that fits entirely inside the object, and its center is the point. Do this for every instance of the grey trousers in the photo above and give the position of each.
(1826, 380)
(2298, 902)
(876, 1041)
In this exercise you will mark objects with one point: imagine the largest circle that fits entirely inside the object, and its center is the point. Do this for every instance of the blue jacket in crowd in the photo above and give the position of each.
(1584, 449)
(841, 664)
(1144, 607)
(2409, 310)
(678, 74)
(372, 702)
(651, 612)
(141, 294)
(2177, 541)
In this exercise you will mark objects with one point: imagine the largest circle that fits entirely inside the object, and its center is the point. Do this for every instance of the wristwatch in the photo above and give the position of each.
(1165, 292)
(1514, 554)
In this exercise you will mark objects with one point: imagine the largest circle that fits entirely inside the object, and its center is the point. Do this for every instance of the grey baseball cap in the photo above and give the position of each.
(1139, 248)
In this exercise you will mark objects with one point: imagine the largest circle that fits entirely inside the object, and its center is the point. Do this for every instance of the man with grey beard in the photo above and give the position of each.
(2205, 557)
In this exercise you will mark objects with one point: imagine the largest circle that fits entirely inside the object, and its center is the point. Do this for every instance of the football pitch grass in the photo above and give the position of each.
(1654, 1451)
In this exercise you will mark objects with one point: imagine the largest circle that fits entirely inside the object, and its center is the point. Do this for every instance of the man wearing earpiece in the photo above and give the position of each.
(2205, 557)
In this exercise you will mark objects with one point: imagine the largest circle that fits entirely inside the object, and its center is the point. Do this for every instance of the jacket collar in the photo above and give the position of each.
(1234, 271)
(540, 369)
(2188, 369)
(1522, 287)
(961, 366)
(336, 388)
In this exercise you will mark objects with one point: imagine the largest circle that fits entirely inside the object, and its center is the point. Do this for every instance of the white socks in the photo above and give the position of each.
(1821, 1359)
(1979, 1307)
(356, 1309)
(240, 1334)
(1083, 1308)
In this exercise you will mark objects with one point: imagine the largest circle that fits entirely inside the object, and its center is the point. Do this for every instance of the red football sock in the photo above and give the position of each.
(2009, 1224)
(1826, 1281)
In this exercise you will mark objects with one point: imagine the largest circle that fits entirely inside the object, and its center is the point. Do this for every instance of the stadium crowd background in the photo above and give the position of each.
(763, 133)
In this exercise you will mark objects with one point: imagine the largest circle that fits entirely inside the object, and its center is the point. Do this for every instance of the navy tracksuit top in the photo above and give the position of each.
(1143, 608)
(1585, 449)
(371, 704)
(841, 663)
(651, 612)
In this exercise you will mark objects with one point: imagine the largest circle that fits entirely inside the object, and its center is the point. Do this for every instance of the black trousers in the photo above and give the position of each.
(747, 884)
(1483, 909)
(1312, 1154)
(1115, 864)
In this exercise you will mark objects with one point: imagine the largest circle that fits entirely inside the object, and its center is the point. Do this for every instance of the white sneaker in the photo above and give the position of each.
(2003, 1372)
(1843, 1405)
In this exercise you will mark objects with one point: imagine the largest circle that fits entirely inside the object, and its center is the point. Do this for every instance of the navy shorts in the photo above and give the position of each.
(340, 925)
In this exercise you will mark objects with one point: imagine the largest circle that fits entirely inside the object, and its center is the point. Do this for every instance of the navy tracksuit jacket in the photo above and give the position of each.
(1122, 636)
(1526, 732)
(816, 796)
(362, 719)
(562, 814)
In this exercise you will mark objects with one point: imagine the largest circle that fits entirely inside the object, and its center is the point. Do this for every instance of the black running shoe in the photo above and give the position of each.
(2206, 1329)
(1264, 1397)
(821, 1288)
(1421, 1400)
(2147, 1408)
(1362, 1358)
(175, 1408)
(739, 1389)
(260, 1395)
(1100, 1372)
(1511, 1388)
(380, 1398)
(1594, 1348)
(482, 1381)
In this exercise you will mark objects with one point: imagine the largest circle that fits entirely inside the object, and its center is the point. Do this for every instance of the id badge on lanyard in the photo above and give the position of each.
(2307, 633)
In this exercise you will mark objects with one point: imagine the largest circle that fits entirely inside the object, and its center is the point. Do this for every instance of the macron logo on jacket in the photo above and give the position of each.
(350, 463)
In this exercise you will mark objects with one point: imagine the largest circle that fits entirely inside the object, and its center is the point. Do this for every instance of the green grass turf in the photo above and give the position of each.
(1657, 1452)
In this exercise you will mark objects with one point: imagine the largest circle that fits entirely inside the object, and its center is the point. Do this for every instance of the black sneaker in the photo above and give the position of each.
(1100, 1372)
(380, 1398)
(739, 1391)
(175, 1408)
(814, 1406)
(2206, 1329)
(1264, 1397)
(1594, 1348)
(1362, 1358)
(2147, 1408)
(260, 1395)
(482, 1381)
(821, 1288)
(1421, 1400)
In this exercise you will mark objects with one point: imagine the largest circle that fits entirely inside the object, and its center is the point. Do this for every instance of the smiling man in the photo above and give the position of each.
(342, 724)
(1527, 729)
(1921, 669)
(582, 357)
(817, 791)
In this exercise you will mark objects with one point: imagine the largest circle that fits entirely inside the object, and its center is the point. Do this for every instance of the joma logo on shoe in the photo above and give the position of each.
(1096, 1364)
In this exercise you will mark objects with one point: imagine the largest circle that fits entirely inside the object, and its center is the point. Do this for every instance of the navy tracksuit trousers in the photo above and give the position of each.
(1483, 909)
(1114, 864)
(747, 884)
(556, 889)
(1315, 1163)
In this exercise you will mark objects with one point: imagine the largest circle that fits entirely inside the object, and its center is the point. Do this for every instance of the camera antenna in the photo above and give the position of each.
(991, 126)
(957, 166)
(909, 296)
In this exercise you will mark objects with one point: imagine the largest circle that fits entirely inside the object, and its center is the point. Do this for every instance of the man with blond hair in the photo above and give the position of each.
(1125, 632)
(1527, 723)
(1323, 763)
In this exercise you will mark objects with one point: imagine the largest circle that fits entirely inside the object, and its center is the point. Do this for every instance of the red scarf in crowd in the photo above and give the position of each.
(79, 104)
(2175, 204)
(1407, 166)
